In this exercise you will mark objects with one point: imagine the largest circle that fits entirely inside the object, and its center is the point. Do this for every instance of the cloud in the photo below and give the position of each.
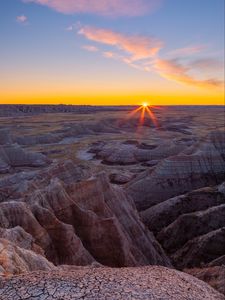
(101, 7)
(208, 64)
(186, 50)
(173, 70)
(21, 19)
(90, 48)
(142, 53)
(121, 58)
(138, 47)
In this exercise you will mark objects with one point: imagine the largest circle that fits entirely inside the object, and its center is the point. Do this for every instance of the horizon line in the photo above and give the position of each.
(106, 105)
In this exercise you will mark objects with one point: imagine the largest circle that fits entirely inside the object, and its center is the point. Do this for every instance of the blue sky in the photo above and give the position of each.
(65, 53)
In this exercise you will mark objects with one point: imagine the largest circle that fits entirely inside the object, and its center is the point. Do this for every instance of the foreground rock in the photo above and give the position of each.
(106, 283)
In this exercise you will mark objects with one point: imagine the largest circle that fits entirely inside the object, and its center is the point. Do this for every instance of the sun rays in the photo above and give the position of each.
(146, 112)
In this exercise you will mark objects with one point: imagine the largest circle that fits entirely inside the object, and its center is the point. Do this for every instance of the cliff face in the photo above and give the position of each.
(76, 222)
(190, 227)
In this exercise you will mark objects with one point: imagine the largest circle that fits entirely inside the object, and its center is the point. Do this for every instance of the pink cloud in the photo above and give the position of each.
(138, 47)
(173, 70)
(142, 53)
(101, 7)
(21, 19)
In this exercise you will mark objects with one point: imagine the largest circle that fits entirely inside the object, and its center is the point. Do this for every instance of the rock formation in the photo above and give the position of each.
(201, 250)
(161, 215)
(16, 260)
(12, 155)
(106, 283)
(142, 196)
(191, 227)
(133, 153)
(201, 165)
(78, 222)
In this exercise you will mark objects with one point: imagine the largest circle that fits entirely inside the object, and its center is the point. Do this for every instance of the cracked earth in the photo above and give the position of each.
(106, 283)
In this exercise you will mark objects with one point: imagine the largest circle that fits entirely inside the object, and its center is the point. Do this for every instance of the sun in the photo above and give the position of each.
(145, 109)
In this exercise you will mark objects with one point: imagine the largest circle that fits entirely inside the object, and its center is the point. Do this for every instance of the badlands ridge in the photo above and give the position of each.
(95, 205)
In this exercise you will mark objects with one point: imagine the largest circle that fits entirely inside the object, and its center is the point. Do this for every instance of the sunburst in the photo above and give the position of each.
(145, 109)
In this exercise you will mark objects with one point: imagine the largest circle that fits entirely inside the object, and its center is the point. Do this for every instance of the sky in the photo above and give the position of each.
(112, 52)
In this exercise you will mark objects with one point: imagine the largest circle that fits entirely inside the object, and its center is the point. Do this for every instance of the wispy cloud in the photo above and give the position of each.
(22, 19)
(175, 71)
(189, 50)
(124, 59)
(208, 64)
(90, 48)
(142, 53)
(101, 7)
(138, 47)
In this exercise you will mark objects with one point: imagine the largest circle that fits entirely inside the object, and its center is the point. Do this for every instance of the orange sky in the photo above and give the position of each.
(109, 53)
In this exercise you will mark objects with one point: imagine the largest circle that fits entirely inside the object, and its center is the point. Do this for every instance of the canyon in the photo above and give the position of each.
(95, 203)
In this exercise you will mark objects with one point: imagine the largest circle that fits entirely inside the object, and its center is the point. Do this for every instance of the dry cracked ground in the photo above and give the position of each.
(95, 204)
(108, 283)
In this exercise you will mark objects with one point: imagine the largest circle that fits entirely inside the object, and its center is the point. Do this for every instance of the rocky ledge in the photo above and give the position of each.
(107, 283)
